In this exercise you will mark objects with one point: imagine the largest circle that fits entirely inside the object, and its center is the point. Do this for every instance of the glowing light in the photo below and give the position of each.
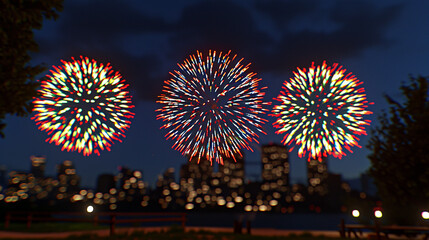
(425, 215)
(221, 202)
(77, 197)
(321, 110)
(90, 209)
(378, 214)
(273, 202)
(212, 107)
(83, 106)
(355, 213)
(189, 206)
(230, 204)
(248, 208)
(263, 208)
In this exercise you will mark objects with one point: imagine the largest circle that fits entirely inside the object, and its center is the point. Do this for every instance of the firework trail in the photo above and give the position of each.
(321, 110)
(83, 106)
(212, 107)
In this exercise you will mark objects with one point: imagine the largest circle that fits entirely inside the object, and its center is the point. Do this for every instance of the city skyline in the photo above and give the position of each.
(381, 43)
(198, 187)
(272, 169)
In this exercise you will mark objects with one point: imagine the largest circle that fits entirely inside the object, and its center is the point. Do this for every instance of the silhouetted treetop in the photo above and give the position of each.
(400, 151)
(18, 19)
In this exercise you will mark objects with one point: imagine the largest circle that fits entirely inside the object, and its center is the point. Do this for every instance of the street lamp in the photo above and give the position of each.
(89, 209)
(425, 215)
(378, 213)
(355, 213)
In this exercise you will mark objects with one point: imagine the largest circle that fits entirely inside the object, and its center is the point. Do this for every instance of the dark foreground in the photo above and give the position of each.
(161, 233)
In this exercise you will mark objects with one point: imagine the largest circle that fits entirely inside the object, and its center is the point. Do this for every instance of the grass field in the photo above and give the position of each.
(174, 232)
(200, 235)
(52, 227)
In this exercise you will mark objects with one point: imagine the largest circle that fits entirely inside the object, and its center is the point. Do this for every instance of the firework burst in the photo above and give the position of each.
(212, 107)
(321, 110)
(83, 106)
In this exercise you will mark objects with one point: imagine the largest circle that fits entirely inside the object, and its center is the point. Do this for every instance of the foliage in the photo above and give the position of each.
(18, 19)
(400, 153)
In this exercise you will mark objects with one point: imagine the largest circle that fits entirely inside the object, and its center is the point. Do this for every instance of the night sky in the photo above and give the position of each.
(381, 42)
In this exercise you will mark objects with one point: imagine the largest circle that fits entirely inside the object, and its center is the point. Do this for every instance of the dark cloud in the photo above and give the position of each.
(358, 25)
(143, 73)
(221, 25)
(111, 31)
(348, 29)
(101, 30)
(282, 12)
(100, 22)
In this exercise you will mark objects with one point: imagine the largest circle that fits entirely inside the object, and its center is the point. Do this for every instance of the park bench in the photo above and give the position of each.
(356, 230)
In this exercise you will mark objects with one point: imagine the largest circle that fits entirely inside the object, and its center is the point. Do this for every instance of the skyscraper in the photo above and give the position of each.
(166, 179)
(195, 180)
(231, 173)
(317, 175)
(198, 172)
(167, 190)
(275, 168)
(132, 187)
(68, 179)
(18, 186)
(38, 164)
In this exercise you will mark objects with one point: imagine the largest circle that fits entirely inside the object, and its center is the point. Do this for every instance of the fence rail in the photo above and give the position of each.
(348, 230)
(112, 218)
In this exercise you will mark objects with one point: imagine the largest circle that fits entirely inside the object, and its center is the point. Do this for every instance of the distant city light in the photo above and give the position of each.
(230, 205)
(248, 208)
(90, 209)
(378, 214)
(189, 206)
(425, 215)
(188, 194)
(274, 202)
(263, 208)
(221, 202)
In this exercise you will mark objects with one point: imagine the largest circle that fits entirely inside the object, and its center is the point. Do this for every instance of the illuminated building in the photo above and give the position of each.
(19, 186)
(275, 168)
(200, 173)
(298, 193)
(167, 190)
(38, 164)
(68, 179)
(166, 179)
(132, 187)
(232, 172)
(195, 180)
(317, 175)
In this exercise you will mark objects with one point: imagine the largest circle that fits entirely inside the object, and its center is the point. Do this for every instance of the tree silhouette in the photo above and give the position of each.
(17, 76)
(400, 153)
